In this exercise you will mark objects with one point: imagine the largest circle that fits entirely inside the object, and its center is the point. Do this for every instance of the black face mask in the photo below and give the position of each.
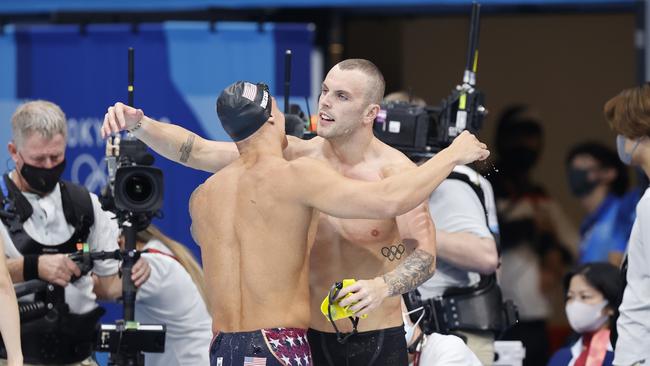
(520, 158)
(42, 180)
(579, 182)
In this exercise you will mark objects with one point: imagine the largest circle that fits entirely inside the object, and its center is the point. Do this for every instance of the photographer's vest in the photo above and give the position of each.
(60, 336)
(16, 209)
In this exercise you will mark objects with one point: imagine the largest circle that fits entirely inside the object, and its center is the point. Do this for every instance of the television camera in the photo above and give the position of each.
(420, 131)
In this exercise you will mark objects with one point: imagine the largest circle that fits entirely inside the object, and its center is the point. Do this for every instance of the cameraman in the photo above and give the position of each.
(465, 244)
(43, 219)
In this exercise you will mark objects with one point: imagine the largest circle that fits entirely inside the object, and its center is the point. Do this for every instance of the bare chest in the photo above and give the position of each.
(357, 231)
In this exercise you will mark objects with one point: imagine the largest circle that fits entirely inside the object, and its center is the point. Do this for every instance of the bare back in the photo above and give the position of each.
(255, 245)
(354, 248)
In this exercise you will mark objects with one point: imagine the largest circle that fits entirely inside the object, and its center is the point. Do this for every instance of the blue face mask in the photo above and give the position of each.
(625, 157)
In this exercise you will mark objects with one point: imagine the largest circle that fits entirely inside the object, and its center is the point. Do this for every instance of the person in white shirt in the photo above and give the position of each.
(44, 218)
(174, 295)
(434, 349)
(628, 114)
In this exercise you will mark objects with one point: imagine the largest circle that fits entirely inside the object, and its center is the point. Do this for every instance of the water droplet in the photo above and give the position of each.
(493, 169)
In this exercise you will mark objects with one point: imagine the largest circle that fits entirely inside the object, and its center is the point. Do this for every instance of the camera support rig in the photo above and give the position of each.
(464, 109)
(134, 193)
(420, 131)
(125, 340)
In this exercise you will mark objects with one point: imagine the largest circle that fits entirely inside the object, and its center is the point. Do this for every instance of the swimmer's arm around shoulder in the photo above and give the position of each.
(321, 187)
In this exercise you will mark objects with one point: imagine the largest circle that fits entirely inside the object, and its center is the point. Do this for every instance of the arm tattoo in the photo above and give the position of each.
(186, 148)
(416, 268)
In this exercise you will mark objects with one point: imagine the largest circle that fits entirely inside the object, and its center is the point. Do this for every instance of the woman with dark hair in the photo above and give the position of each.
(592, 298)
(599, 179)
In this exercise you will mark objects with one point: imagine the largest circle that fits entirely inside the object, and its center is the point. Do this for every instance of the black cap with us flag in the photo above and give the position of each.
(243, 108)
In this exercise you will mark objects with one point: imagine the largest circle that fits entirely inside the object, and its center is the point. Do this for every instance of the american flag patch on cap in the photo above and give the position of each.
(254, 361)
(250, 90)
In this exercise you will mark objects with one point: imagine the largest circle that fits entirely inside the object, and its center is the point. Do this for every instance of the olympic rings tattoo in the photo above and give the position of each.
(393, 252)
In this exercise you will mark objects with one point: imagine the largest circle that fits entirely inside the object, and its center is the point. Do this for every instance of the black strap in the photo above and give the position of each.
(476, 187)
(613, 335)
(30, 267)
(485, 279)
(77, 208)
(342, 338)
(13, 201)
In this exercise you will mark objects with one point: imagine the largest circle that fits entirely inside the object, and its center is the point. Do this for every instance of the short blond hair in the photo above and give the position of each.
(39, 116)
(376, 85)
(628, 113)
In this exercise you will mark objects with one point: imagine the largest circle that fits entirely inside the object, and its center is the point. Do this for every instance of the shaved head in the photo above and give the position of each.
(375, 85)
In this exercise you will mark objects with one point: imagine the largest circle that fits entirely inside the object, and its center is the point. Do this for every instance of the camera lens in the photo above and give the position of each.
(138, 188)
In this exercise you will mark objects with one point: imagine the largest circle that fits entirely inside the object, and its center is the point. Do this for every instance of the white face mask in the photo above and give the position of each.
(408, 328)
(586, 318)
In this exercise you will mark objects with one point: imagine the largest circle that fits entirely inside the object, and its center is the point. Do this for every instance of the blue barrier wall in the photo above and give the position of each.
(180, 68)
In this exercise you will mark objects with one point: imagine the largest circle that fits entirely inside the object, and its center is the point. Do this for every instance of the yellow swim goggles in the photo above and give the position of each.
(333, 311)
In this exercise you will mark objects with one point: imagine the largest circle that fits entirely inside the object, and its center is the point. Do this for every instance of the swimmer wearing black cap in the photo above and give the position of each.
(255, 222)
